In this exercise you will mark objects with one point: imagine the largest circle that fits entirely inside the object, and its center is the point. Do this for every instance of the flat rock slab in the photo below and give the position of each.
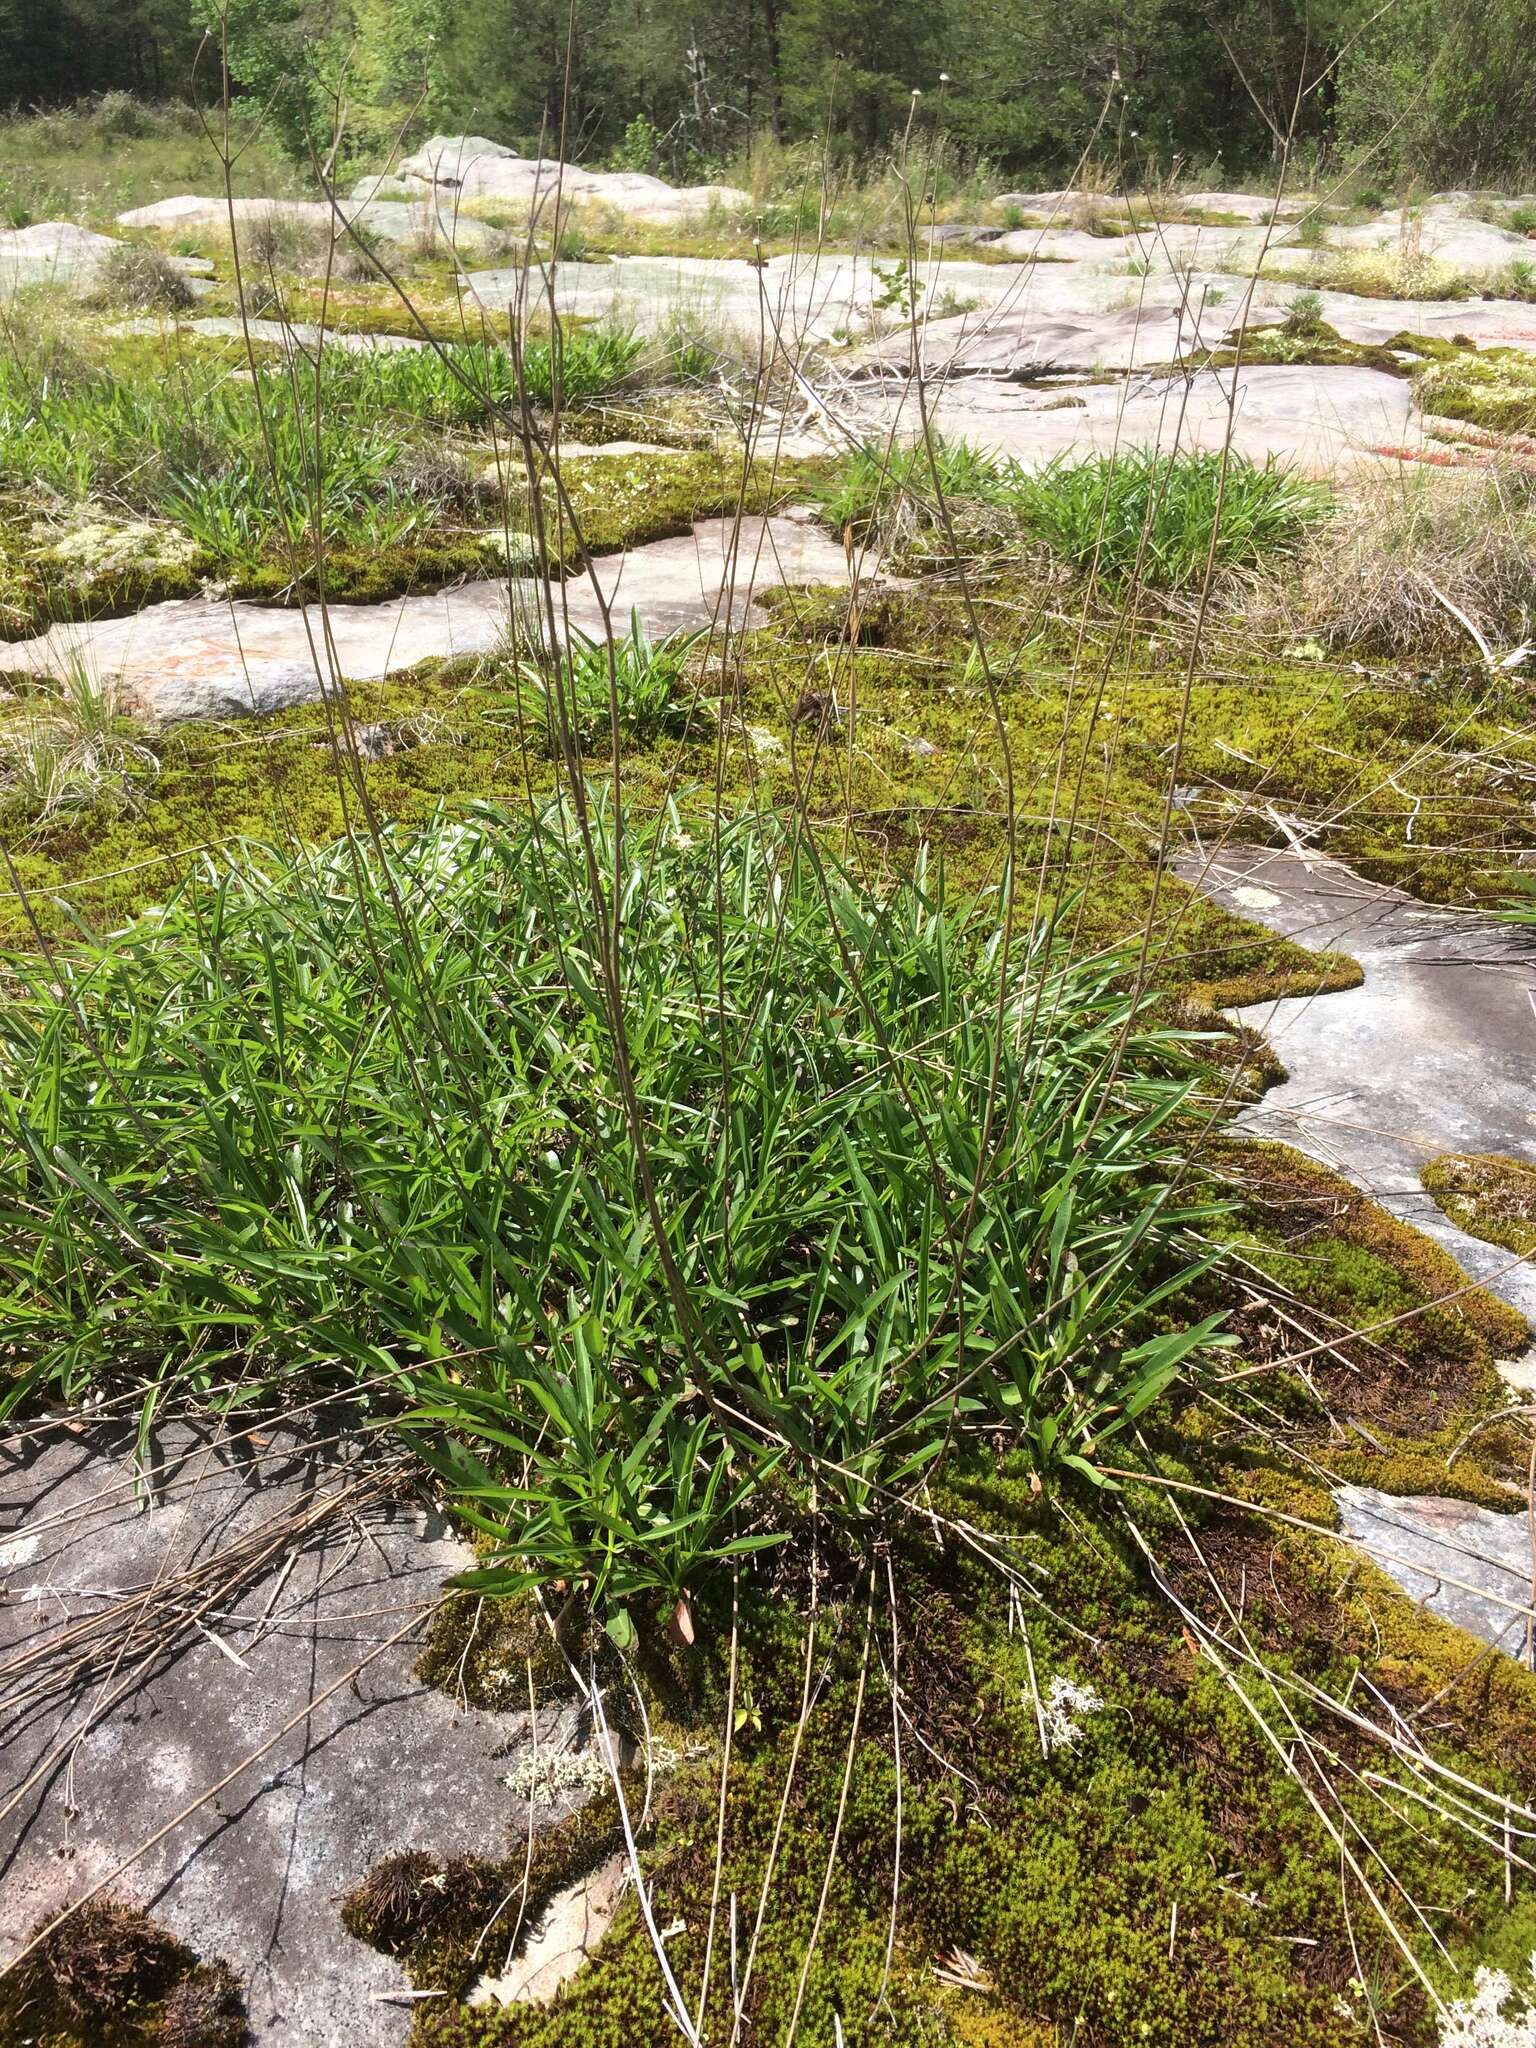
(385, 1763)
(392, 220)
(1323, 421)
(808, 297)
(473, 167)
(57, 252)
(203, 658)
(1433, 1053)
(51, 252)
(1073, 321)
(1464, 1563)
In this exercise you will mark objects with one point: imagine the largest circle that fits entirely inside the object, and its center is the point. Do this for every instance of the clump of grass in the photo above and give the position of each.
(470, 381)
(1374, 580)
(857, 1195)
(233, 461)
(875, 483)
(1303, 316)
(574, 698)
(65, 745)
(144, 279)
(1161, 518)
(1487, 1194)
(1158, 518)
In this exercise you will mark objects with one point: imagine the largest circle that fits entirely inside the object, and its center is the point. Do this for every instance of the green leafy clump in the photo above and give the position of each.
(633, 683)
(1161, 518)
(834, 1182)
(1158, 519)
(232, 461)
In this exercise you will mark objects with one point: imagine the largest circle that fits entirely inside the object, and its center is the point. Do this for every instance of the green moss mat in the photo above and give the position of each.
(1043, 1873)
(619, 502)
(1400, 1354)
(927, 762)
(1495, 389)
(1054, 1868)
(1489, 1195)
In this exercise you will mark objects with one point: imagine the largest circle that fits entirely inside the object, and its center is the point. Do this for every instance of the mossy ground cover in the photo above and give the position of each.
(1055, 1866)
(1039, 1868)
(925, 757)
(1306, 338)
(1495, 389)
(154, 479)
(1489, 1195)
(1400, 1353)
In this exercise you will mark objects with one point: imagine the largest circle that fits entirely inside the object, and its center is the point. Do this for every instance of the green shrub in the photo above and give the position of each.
(851, 1194)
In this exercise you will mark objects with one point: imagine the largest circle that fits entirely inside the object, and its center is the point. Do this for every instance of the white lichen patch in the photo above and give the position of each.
(1063, 1710)
(1481, 2020)
(95, 544)
(546, 1777)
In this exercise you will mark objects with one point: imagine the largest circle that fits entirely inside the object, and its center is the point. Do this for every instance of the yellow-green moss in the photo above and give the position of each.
(1402, 1348)
(1487, 1194)
(1056, 1872)
(479, 1651)
(1494, 389)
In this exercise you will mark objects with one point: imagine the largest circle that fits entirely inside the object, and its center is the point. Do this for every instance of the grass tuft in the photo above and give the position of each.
(353, 1132)
(1155, 518)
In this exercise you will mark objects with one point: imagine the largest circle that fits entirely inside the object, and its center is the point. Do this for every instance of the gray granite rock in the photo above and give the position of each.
(379, 1763)
(1464, 1563)
(1432, 1053)
(57, 252)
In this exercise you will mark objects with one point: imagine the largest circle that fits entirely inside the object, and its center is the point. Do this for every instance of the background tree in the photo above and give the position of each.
(1442, 89)
(57, 50)
(1438, 89)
